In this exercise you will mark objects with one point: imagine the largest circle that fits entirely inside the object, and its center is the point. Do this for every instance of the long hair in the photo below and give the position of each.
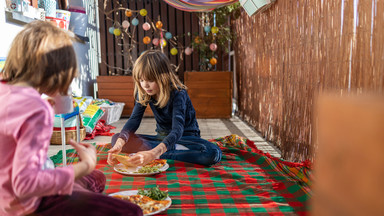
(153, 65)
(41, 55)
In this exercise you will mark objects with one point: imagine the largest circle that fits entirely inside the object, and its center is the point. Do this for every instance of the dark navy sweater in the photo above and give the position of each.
(176, 119)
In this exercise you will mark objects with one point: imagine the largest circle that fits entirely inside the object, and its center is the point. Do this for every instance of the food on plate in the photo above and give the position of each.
(152, 167)
(123, 159)
(154, 193)
(147, 204)
(146, 169)
(157, 162)
(125, 167)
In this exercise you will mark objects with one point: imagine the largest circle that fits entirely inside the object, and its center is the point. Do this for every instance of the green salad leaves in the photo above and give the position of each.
(154, 193)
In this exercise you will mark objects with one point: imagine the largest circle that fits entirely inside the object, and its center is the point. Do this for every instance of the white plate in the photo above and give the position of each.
(120, 168)
(134, 192)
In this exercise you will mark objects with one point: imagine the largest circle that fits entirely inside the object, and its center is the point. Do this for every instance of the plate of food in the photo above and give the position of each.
(152, 201)
(154, 167)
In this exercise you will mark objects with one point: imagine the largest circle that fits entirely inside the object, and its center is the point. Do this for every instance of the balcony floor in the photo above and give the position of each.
(210, 129)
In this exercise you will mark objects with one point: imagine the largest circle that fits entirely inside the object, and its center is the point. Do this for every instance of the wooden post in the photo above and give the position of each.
(349, 159)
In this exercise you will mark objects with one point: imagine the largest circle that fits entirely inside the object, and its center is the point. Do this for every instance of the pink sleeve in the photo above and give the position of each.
(28, 178)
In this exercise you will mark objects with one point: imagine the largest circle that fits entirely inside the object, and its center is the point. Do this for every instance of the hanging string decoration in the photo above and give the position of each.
(199, 5)
(157, 37)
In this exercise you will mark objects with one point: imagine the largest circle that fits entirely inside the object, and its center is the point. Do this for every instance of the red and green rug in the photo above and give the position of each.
(246, 182)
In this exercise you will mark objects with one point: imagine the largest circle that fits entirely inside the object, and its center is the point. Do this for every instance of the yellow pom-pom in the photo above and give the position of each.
(174, 51)
(143, 12)
(214, 30)
(163, 42)
(117, 32)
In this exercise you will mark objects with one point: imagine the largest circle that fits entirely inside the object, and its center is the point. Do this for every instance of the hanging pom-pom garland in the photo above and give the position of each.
(174, 51)
(125, 24)
(146, 40)
(188, 51)
(135, 22)
(159, 24)
(146, 26)
(143, 12)
(168, 35)
(111, 29)
(213, 47)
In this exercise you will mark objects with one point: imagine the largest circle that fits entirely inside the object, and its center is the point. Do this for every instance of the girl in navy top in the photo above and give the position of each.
(178, 134)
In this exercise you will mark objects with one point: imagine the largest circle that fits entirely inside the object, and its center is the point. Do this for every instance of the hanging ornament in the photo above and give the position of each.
(117, 32)
(159, 24)
(155, 41)
(197, 39)
(135, 22)
(111, 29)
(207, 29)
(174, 51)
(163, 42)
(213, 61)
(168, 35)
(214, 29)
(125, 24)
(128, 13)
(146, 26)
(188, 51)
(146, 40)
(213, 47)
(143, 12)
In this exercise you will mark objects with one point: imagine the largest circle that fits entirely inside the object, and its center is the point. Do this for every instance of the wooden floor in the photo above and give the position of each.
(210, 129)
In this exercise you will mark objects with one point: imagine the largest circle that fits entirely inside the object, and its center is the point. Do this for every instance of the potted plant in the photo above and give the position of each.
(211, 90)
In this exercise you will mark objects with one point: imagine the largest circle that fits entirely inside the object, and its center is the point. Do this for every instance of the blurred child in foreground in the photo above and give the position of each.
(42, 60)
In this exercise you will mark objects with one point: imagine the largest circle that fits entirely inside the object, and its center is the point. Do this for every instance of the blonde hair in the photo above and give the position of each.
(153, 65)
(41, 55)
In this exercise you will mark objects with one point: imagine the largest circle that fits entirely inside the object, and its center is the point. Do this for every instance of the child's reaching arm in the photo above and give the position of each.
(130, 126)
(133, 122)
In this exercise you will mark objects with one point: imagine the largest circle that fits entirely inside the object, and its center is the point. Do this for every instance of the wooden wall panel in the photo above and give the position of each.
(210, 93)
(119, 89)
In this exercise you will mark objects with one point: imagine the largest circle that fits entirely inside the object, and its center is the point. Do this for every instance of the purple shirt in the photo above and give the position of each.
(25, 131)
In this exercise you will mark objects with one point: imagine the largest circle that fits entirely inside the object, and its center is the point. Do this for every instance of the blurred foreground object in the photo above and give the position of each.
(349, 160)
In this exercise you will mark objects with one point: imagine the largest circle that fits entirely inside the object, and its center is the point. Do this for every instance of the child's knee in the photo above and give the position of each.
(212, 157)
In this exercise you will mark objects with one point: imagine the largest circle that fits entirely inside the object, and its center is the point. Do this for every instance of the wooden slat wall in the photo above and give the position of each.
(119, 89)
(296, 49)
(177, 22)
(210, 93)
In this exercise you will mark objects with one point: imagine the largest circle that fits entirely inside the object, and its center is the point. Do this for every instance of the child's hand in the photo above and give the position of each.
(87, 155)
(116, 149)
(142, 158)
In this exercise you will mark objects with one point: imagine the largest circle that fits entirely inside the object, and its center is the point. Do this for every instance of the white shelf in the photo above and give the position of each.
(18, 16)
(21, 18)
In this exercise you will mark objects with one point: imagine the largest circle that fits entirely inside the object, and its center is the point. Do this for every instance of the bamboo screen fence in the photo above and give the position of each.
(297, 49)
